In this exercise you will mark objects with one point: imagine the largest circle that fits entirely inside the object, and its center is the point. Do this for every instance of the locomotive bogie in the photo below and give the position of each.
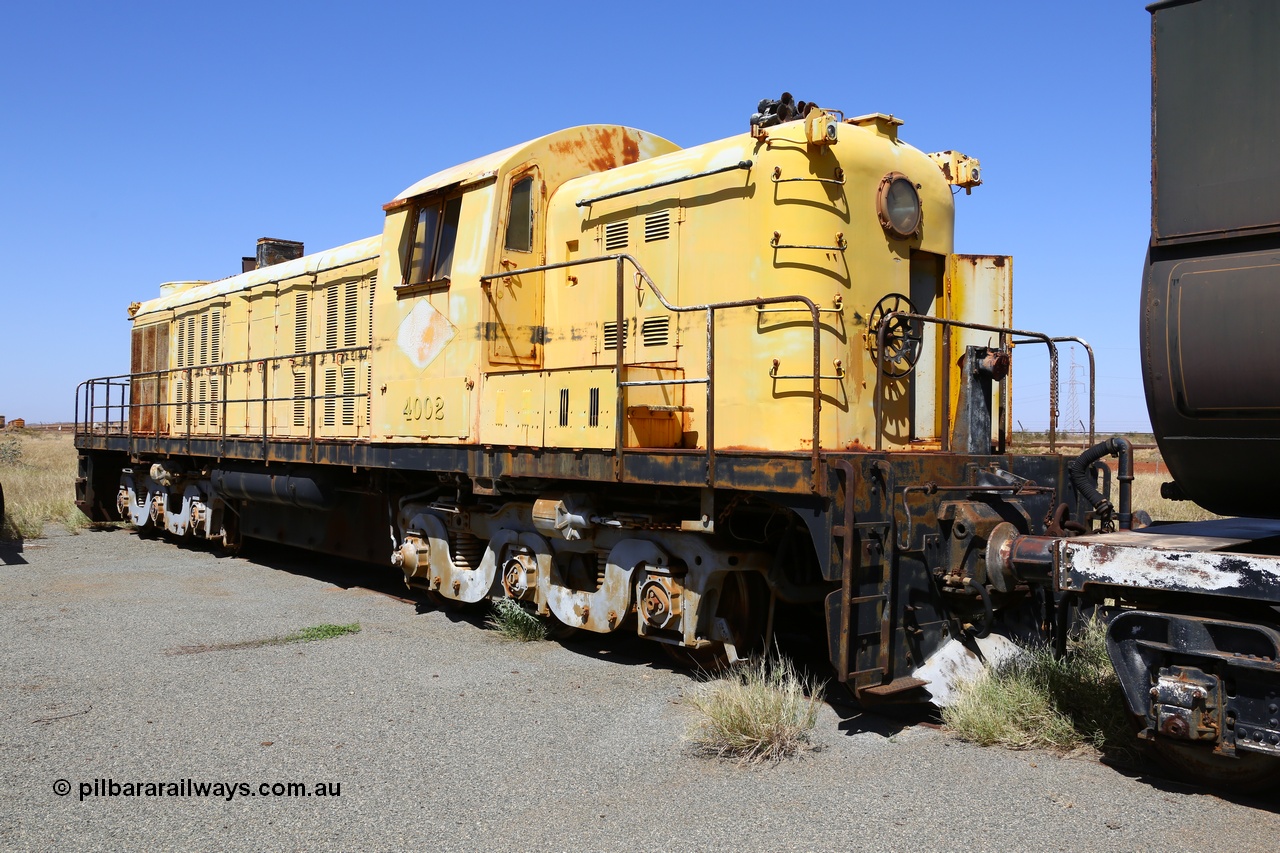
(596, 573)
(160, 500)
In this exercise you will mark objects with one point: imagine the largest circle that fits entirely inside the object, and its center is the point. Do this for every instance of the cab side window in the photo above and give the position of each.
(520, 216)
(433, 232)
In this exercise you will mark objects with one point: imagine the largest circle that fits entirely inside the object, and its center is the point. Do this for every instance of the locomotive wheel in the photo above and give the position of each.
(741, 606)
(1248, 773)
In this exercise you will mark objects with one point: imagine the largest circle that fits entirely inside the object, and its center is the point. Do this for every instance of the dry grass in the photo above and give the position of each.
(1036, 701)
(762, 711)
(510, 619)
(1146, 483)
(38, 472)
(1146, 495)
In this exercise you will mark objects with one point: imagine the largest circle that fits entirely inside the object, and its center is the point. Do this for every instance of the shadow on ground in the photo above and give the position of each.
(11, 553)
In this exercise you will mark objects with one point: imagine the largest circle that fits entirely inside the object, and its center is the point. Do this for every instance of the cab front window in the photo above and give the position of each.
(433, 231)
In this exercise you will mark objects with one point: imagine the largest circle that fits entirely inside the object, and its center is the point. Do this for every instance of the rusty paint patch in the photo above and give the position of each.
(630, 149)
(601, 149)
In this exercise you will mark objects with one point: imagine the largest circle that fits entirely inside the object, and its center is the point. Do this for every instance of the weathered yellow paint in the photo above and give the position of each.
(490, 361)
(980, 289)
(719, 250)
(577, 389)
(501, 327)
(513, 404)
(440, 408)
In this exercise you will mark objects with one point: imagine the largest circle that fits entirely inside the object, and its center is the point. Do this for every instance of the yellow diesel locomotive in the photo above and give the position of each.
(691, 394)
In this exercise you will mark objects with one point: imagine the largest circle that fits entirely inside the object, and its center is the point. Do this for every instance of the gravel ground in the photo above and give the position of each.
(444, 736)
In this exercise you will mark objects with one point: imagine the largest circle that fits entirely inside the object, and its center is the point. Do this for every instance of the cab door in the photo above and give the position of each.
(515, 330)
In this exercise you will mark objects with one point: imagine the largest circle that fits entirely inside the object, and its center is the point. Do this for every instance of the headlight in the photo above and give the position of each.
(898, 205)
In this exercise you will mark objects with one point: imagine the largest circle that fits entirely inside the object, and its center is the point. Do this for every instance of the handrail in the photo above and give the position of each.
(125, 382)
(87, 419)
(710, 308)
(1092, 379)
(741, 164)
(947, 324)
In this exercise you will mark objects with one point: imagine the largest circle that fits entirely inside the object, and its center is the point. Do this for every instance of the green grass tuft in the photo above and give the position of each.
(307, 635)
(321, 632)
(764, 710)
(511, 620)
(1038, 701)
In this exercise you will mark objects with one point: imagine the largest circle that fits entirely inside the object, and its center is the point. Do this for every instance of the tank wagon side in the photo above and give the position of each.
(690, 394)
(1193, 631)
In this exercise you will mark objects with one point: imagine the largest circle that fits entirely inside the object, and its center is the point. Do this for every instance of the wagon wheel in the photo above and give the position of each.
(745, 614)
(903, 336)
(1248, 772)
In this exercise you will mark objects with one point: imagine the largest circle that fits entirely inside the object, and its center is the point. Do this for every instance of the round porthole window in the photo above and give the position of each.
(898, 205)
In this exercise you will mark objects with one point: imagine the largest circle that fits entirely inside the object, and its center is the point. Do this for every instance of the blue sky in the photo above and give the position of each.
(142, 143)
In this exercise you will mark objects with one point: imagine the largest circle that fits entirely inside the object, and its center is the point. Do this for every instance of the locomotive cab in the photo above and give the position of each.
(446, 329)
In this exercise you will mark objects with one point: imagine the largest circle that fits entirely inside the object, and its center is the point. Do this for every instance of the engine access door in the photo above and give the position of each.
(515, 329)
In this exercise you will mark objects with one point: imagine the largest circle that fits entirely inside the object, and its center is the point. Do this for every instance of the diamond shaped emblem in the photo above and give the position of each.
(424, 334)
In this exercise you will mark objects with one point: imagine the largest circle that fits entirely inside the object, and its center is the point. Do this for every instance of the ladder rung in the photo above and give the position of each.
(898, 685)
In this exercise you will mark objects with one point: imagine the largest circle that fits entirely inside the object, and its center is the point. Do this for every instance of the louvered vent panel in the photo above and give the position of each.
(349, 396)
(611, 335)
(616, 235)
(330, 397)
(564, 407)
(214, 407)
(331, 319)
(215, 336)
(180, 399)
(655, 331)
(657, 226)
(368, 369)
(182, 344)
(299, 399)
(300, 323)
(204, 338)
(350, 313)
(202, 404)
(191, 340)
(593, 414)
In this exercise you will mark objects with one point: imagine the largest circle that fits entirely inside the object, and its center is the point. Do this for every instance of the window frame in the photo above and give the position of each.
(440, 203)
(529, 175)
